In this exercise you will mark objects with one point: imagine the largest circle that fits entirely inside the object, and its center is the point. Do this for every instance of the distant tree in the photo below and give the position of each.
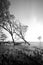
(39, 38)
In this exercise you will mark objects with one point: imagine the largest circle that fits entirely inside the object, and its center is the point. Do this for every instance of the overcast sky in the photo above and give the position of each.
(26, 10)
(29, 12)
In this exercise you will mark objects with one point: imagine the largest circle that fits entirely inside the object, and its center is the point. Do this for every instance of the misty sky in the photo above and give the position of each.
(29, 12)
(26, 10)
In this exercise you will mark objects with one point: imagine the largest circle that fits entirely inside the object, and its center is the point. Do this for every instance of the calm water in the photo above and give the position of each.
(38, 44)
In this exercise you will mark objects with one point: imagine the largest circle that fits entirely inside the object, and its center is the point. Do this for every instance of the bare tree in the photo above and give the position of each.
(20, 30)
(7, 25)
(9, 22)
(15, 27)
(5, 17)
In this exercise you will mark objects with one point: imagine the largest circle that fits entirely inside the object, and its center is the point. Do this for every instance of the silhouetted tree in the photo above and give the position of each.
(20, 30)
(39, 38)
(5, 17)
(9, 22)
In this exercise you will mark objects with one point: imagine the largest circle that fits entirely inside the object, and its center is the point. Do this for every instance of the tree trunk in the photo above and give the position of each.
(26, 41)
(12, 38)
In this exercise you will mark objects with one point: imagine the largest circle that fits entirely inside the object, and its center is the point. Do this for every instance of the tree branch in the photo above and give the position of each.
(4, 28)
(22, 38)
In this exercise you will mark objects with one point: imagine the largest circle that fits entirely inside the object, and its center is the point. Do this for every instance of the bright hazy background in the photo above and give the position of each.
(29, 12)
